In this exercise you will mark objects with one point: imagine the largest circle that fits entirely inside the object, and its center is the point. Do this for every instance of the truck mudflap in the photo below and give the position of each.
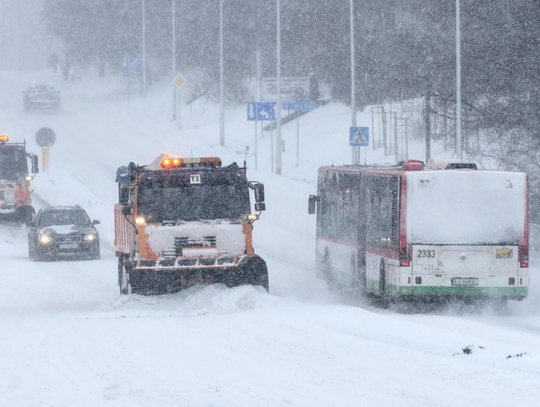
(251, 270)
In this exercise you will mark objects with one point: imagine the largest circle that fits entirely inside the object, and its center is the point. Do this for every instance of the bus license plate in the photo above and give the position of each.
(464, 281)
(69, 246)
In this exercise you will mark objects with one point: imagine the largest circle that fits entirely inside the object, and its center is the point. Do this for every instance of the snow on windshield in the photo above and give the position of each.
(466, 207)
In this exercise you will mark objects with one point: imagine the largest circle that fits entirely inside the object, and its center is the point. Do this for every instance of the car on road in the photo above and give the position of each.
(63, 232)
(41, 98)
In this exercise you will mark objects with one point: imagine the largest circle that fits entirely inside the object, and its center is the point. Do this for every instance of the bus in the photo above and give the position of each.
(416, 231)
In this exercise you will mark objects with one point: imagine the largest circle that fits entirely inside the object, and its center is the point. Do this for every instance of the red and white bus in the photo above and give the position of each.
(414, 231)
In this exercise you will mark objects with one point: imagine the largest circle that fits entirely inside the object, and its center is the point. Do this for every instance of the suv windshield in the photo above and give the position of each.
(64, 217)
(13, 164)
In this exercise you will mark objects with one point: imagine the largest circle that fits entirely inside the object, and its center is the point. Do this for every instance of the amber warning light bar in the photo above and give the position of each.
(170, 162)
(4, 138)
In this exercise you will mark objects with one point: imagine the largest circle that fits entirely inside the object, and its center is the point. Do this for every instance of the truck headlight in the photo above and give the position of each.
(45, 239)
(90, 237)
(140, 221)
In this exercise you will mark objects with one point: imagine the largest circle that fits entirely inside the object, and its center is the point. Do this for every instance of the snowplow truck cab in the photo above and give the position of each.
(15, 202)
(186, 221)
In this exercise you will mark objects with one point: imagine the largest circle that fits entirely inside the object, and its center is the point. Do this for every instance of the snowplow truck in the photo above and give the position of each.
(182, 222)
(15, 203)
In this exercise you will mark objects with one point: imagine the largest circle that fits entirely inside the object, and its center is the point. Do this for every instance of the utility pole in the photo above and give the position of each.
(458, 84)
(221, 89)
(174, 92)
(144, 48)
(428, 124)
(278, 107)
(355, 150)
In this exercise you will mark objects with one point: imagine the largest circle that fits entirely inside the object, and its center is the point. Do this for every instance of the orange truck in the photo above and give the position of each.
(186, 221)
(15, 203)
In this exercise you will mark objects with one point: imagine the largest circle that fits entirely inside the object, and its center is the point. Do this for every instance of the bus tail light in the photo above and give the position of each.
(523, 256)
(512, 281)
(405, 256)
(413, 165)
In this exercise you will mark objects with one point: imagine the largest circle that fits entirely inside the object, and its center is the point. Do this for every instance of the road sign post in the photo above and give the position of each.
(45, 138)
(179, 81)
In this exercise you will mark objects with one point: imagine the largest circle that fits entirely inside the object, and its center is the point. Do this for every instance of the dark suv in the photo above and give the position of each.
(63, 232)
(41, 97)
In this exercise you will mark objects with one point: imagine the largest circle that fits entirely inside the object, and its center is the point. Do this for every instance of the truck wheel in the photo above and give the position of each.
(252, 271)
(25, 215)
(123, 275)
(262, 279)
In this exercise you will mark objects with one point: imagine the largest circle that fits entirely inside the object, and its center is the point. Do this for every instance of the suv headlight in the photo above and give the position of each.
(90, 237)
(45, 239)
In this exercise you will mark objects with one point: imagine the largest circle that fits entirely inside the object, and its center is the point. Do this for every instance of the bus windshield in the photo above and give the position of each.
(13, 164)
(466, 207)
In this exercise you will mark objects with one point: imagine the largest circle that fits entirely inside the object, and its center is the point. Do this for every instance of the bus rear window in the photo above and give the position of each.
(465, 207)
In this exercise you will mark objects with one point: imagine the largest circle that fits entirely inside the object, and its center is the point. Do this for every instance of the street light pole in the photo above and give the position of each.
(458, 84)
(173, 59)
(278, 107)
(221, 90)
(143, 48)
(353, 94)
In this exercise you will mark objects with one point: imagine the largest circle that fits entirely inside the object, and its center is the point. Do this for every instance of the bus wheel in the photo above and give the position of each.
(383, 297)
(123, 275)
(326, 269)
(358, 281)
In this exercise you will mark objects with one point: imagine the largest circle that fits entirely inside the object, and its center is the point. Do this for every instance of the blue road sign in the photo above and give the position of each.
(359, 137)
(298, 105)
(261, 111)
(132, 62)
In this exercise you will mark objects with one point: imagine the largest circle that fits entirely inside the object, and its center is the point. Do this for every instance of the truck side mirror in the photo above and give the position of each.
(35, 164)
(259, 192)
(260, 206)
(124, 196)
(127, 210)
(311, 204)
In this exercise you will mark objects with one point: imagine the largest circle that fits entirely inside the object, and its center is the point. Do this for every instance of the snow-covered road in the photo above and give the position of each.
(67, 338)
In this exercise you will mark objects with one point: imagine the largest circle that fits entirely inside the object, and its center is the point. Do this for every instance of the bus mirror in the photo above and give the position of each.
(259, 192)
(35, 164)
(127, 210)
(311, 204)
(260, 206)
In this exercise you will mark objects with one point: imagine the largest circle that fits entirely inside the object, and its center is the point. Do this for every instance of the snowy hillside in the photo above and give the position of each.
(68, 338)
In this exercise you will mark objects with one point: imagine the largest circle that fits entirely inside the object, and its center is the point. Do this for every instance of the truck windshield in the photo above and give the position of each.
(174, 200)
(13, 164)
